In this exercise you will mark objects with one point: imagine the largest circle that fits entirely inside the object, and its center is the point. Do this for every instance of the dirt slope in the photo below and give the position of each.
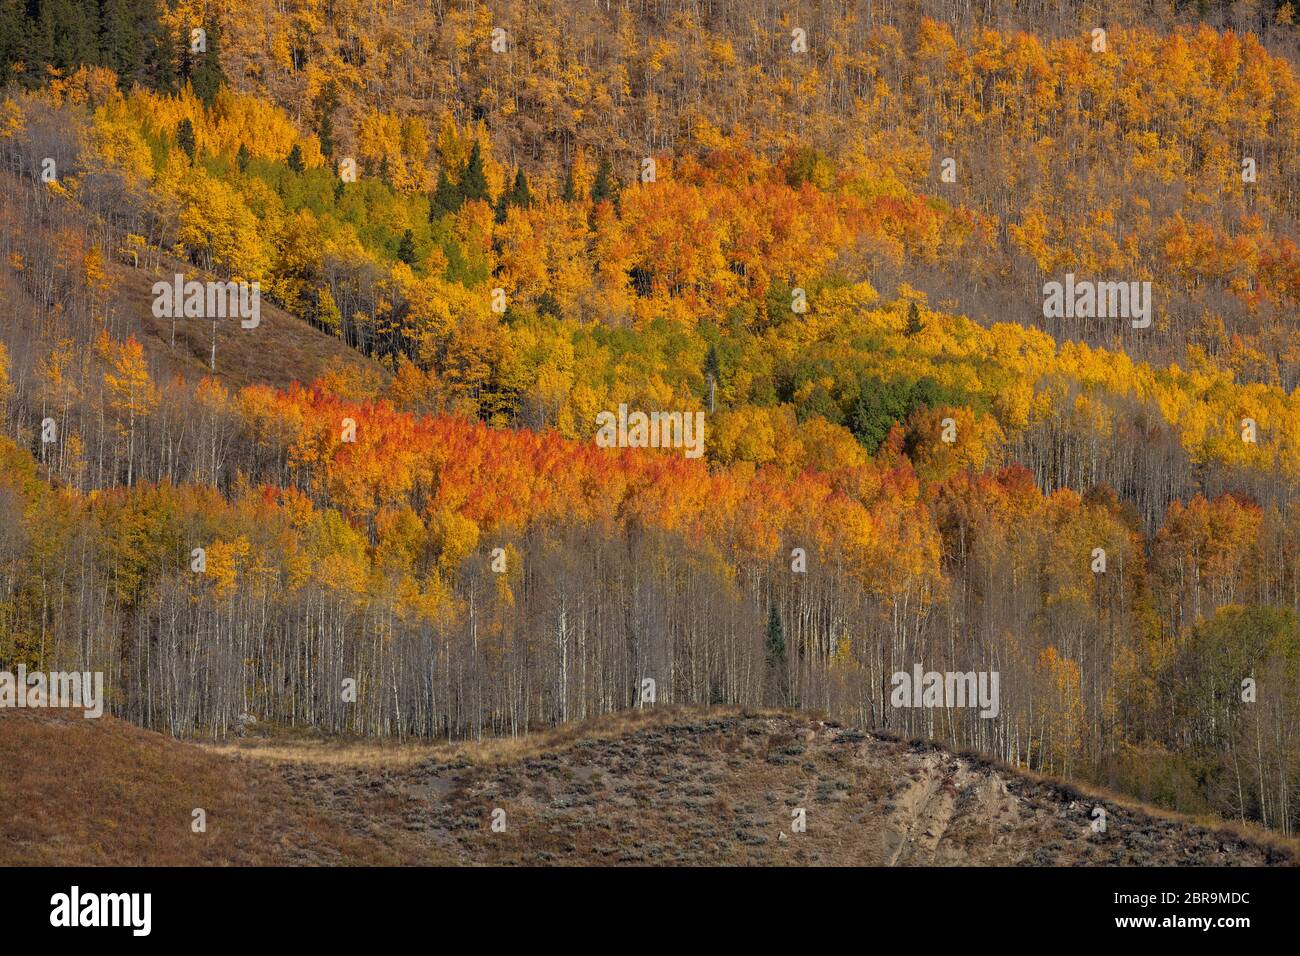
(668, 787)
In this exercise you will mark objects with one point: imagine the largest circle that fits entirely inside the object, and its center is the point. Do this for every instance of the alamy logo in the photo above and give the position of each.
(655, 430)
(78, 690)
(208, 300)
(946, 689)
(1098, 300)
(103, 909)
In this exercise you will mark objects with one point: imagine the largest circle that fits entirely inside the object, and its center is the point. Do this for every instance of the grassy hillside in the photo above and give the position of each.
(78, 792)
(668, 786)
(283, 351)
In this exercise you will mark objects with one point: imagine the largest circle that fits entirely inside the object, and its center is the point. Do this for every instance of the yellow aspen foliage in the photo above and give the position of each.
(131, 391)
(6, 387)
(224, 560)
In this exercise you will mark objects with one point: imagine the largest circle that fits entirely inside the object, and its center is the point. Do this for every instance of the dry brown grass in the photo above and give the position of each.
(342, 753)
(668, 786)
(1241, 830)
(282, 349)
(1251, 832)
(103, 792)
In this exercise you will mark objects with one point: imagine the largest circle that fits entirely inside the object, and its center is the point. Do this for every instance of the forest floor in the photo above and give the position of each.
(665, 787)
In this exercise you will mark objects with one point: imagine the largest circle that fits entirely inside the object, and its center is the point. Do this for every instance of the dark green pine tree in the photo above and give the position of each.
(326, 133)
(64, 36)
(473, 185)
(326, 103)
(121, 42)
(406, 248)
(775, 638)
(712, 373)
(162, 55)
(446, 197)
(34, 45)
(913, 320)
(295, 159)
(14, 31)
(778, 690)
(879, 406)
(185, 138)
(569, 191)
(185, 59)
(242, 157)
(602, 188)
(503, 203)
(519, 194)
(207, 77)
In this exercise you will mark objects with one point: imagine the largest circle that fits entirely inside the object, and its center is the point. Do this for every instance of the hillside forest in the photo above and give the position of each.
(823, 228)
